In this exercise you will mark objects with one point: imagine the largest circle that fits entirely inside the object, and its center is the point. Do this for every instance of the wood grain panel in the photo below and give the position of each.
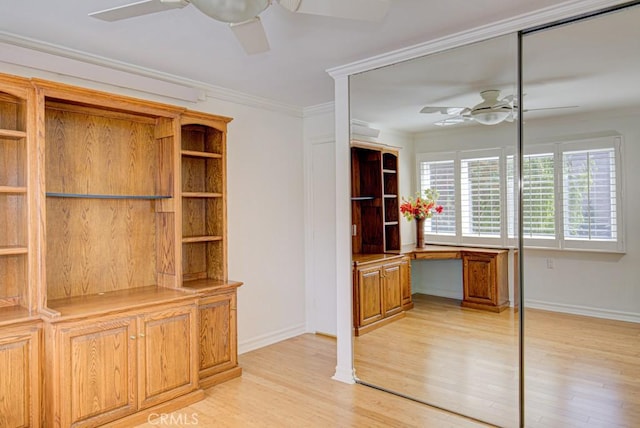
(202, 217)
(217, 334)
(203, 260)
(13, 278)
(479, 275)
(13, 219)
(13, 164)
(91, 154)
(202, 174)
(216, 257)
(370, 296)
(167, 342)
(392, 289)
(201, 138)
(16, 383)
(12, 112)
(96, 245)
(99, 369)
(165, 238)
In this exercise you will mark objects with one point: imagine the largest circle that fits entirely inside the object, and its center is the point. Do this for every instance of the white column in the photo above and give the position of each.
(344, 367)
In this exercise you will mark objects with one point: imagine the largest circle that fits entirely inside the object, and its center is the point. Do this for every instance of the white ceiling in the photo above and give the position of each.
(188, 44)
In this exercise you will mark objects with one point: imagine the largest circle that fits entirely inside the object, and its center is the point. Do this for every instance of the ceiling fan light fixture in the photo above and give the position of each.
(231, 11)
(491, 111)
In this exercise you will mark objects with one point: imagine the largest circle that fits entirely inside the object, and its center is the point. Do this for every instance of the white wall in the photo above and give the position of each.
(596, 284)
(265, 209)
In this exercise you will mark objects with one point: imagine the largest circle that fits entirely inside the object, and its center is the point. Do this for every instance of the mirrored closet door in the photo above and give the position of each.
(454, 343)
(581, 201)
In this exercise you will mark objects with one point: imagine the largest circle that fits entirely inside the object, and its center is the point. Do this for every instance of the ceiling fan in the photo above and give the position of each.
(242, 15)
(491, 111)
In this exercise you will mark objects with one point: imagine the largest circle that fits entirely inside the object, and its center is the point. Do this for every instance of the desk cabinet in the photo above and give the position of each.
(381, 290)
(485, 280)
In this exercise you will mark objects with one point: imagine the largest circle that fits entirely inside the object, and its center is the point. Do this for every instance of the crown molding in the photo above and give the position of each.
(101, 69)
(319, 109)
(521, 22)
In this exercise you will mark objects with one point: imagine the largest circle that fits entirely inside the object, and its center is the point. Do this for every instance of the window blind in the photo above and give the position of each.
(480, 196)
(538, 204)
(440, 176)
(589, 195)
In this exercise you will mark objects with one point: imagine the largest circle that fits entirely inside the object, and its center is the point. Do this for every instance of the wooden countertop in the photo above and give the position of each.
(428, 252)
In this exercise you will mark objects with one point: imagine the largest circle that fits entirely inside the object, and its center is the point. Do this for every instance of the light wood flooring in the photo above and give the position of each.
(289, 385)
(581, 372)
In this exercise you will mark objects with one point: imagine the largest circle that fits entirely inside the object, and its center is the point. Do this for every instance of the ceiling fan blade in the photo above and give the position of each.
(362, 10)
(548, 108)
(455, 120)
(139, 8)
(443, 110)
(251, 36)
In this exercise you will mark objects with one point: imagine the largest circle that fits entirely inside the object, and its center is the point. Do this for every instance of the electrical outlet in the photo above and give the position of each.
(549, 263)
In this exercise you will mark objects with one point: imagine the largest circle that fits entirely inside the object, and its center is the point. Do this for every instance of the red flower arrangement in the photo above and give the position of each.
(421, 207)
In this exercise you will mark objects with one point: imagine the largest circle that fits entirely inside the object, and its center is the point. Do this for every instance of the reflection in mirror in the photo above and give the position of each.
(581, 201)
(438, 323)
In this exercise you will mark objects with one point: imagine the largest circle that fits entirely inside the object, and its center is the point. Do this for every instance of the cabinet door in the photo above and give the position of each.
(369, 295)
(167, 357)
(217, 329)
(20, 373)
(392, 289)
(405, 281)
(479, 278)
(97, 372)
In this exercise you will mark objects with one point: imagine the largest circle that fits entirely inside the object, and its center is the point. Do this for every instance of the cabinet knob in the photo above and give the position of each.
(132, 337)
(141, 335)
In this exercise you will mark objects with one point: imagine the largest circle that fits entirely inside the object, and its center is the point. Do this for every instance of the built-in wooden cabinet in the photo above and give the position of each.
(20, 373)
(218, 338)
(374, 199)
(379, 286)
(485, 279)
(113, 237)
(120, 363)
(405, 281)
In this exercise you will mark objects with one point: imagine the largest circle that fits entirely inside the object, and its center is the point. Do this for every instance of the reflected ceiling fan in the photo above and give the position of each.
(491, 111)
(242, 15)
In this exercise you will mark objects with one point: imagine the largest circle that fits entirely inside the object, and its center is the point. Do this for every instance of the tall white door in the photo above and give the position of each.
(323, 259)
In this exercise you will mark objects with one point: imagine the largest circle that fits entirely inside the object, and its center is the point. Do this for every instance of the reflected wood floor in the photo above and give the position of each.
(461, 359)
(579, 371)
(289, 385)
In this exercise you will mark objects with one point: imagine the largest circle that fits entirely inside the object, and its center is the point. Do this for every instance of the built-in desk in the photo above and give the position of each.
(382, 282)
(485, 273)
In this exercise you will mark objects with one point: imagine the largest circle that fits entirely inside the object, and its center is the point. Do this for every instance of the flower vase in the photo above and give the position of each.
(419, 232)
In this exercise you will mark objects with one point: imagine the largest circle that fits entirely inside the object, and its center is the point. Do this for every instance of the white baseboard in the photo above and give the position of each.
(583, 310)
(270, 338)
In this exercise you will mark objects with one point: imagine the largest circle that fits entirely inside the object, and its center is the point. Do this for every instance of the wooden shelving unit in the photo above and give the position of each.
(382, 284)
(20, 328)
(204, 245)
(112, 253)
